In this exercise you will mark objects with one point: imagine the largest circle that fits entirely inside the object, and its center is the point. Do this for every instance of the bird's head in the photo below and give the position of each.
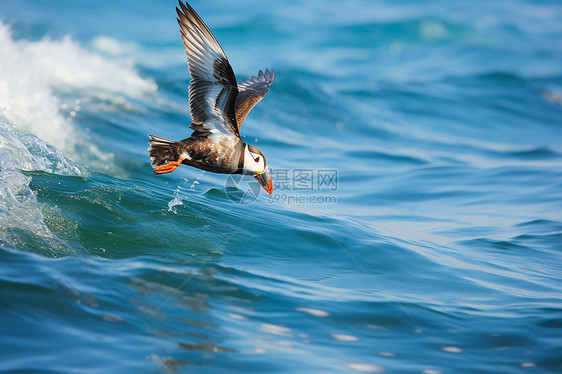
(255, 164)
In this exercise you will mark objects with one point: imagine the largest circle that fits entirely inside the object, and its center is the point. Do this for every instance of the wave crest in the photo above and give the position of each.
(35, 75)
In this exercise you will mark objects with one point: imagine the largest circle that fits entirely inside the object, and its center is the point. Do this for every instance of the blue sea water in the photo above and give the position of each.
(416, 224)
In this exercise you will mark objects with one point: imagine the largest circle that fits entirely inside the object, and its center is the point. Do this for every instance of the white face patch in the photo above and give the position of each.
(253, 163)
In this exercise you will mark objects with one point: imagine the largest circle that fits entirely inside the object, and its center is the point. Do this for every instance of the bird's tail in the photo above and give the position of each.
(162, 150)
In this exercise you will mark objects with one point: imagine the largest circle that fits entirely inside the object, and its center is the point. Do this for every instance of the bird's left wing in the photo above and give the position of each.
(213, 89)
(251, 91)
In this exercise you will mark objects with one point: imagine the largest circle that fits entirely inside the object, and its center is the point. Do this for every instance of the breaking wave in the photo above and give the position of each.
(39, 83)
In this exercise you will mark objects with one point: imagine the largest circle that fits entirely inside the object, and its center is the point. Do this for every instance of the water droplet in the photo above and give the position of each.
(275, 330)
(366, 368)
(314, 312)
(387, 354)
(344, 338)
(237, 316)
(451, 349)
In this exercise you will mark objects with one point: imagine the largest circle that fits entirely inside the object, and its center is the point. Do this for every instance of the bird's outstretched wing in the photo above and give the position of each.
(213, 89)
(250, 92)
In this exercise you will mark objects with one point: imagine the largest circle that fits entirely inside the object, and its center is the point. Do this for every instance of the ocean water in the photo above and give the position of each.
(415, 225)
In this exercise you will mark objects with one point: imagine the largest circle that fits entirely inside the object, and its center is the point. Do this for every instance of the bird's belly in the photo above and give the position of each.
(210, 157)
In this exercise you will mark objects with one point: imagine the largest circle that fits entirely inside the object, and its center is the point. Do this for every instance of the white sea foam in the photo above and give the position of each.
(37, 128)
(26, 100)
(21, 151)
(33, 74)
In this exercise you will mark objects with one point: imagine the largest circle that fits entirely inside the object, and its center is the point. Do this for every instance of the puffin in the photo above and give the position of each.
(218, 106)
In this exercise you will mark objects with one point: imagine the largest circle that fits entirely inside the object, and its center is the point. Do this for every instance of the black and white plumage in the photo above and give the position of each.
(218, 107)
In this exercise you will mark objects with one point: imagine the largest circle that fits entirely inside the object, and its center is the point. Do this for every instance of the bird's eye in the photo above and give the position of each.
(257, 159)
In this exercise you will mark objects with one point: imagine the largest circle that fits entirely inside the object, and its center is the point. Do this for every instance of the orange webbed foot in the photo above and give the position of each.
(169, 167)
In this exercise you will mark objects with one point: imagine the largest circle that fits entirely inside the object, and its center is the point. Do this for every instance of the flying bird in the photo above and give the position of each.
(218, 107)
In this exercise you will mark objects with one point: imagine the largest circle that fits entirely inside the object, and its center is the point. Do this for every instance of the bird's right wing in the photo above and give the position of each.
(251, 91)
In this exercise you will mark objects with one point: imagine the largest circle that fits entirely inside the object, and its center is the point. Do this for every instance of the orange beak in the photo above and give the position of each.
(265, 180)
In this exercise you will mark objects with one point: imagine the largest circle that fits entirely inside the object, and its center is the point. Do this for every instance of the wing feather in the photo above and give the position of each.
(251, 91)
(213, 89)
